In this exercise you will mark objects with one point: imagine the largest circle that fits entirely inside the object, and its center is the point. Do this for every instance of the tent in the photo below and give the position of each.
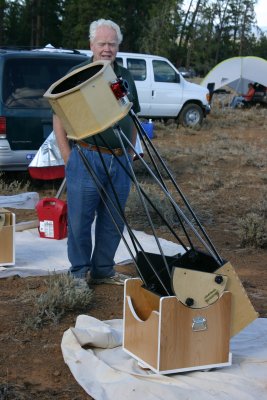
(237, 72)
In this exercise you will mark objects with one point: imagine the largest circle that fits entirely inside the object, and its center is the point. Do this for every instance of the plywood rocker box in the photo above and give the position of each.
(189, 331)
(181, 313)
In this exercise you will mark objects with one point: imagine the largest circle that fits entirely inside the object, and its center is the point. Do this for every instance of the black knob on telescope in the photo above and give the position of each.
(189, 301)
(218, 279)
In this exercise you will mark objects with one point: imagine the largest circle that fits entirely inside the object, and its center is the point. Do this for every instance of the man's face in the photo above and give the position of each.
(105, 44)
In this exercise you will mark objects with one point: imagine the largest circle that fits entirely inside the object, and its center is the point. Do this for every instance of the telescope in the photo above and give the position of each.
(182, 310)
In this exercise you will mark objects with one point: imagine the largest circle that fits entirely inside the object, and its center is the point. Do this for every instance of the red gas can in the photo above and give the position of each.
(52, 215)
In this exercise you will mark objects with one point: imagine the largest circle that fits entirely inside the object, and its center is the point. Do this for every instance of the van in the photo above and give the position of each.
(163, 92)
(25, 115)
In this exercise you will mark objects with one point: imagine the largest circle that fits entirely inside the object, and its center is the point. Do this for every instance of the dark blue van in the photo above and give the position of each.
(25, 115)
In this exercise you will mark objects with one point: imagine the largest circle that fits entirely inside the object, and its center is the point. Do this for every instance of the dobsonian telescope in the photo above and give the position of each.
(193, 299)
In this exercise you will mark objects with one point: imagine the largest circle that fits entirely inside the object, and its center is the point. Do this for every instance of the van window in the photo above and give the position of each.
(25, 80)
(137, 68)
(163, 72)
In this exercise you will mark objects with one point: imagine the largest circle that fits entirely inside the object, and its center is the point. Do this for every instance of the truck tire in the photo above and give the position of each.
(191, 115)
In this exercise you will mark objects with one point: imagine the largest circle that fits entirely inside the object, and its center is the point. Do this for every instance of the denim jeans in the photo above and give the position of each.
(237, 100)
(85, 203)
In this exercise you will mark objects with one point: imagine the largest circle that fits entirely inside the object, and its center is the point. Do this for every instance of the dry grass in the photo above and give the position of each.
(13, 187)
(222, 163)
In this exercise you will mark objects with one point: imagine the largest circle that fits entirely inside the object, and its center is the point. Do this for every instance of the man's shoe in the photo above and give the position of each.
(80, 284)
(117, 279)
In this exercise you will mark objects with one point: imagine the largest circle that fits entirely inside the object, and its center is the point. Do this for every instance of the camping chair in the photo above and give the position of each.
(258, 98)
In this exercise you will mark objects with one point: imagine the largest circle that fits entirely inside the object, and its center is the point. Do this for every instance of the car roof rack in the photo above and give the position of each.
(47, 48)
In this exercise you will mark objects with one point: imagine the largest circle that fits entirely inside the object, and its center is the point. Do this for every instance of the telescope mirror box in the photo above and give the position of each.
(7, 237)
(89, 100)
(166, 335)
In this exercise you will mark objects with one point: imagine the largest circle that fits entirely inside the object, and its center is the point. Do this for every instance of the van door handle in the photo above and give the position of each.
(153, 93)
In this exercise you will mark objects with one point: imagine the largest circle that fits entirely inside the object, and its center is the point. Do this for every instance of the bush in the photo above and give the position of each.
(60, 297)
(252, 230)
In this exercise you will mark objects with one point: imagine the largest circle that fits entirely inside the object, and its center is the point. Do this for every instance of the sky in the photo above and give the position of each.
(261, 13)
(260, 10)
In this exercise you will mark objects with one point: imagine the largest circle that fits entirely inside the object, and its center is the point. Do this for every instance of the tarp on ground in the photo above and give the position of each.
(37, 256)
(93, 352)
(237, 72)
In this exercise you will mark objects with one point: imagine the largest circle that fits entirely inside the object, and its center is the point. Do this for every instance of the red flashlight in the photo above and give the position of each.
(119, 88)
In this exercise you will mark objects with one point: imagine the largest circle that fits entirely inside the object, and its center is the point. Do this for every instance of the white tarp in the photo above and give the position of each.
(106, 372)
(237, 72)
(26, 200)
(36, 256)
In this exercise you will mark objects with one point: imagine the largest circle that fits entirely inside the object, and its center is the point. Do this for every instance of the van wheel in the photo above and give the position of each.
(191, 115)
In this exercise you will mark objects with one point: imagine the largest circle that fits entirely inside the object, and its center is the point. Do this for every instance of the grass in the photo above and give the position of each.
(136, 212)
(224, 172)
(60, 297)
(11, 391)
(13, 187)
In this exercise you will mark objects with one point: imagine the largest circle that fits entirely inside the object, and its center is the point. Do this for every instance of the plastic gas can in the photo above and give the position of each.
(52, 215)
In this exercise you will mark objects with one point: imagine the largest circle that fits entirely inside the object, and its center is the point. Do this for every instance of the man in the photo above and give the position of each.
(84, 201)
(244, 97)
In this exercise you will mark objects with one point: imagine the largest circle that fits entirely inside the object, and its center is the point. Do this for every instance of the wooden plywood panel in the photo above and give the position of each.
(243, 312)
(143, 300)
(7, 238)
(141, 320)
(201, 288)
(182, 346)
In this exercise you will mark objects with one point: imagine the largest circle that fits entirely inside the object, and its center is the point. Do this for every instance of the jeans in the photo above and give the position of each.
(237, 100)
(85, 203)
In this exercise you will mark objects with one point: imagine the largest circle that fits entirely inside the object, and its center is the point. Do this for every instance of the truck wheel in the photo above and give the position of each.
(191, 115)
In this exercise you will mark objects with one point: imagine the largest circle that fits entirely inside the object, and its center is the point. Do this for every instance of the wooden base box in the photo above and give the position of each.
(167, 337)
(7, 237)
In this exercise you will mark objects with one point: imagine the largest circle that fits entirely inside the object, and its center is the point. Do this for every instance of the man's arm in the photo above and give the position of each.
(62, 139)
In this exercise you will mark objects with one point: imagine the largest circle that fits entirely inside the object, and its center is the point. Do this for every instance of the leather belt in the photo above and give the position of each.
(118, 152)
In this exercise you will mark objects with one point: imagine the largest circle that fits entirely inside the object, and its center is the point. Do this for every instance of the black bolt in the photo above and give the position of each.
(189, 301)
(218, 279)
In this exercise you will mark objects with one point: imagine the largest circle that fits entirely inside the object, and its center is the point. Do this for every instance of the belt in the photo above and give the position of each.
(118, 152)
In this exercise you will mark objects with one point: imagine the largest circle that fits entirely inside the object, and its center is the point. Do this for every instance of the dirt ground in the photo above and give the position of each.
(222, 170)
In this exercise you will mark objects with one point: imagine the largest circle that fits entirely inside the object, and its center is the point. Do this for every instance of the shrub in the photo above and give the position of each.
(61, 296)
(252, 230)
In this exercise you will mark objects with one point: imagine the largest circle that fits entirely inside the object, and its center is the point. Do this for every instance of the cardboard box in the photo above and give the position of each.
(7, 237)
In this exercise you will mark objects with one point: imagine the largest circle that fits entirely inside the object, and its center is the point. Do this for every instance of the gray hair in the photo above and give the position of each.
(104, 22)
